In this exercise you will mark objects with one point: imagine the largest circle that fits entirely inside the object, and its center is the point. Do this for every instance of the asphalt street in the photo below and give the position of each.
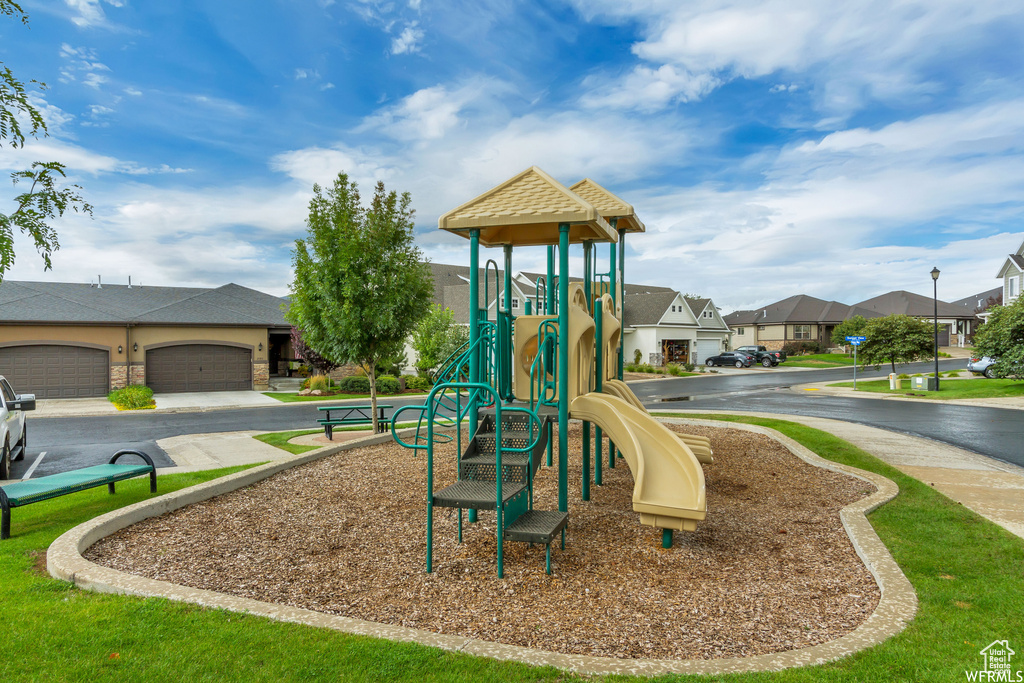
(72, 442)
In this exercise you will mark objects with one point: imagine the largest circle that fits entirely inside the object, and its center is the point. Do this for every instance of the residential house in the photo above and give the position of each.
(799, 318)
(69, 340)
(660, 322)
(1012, 274)
(956, 325)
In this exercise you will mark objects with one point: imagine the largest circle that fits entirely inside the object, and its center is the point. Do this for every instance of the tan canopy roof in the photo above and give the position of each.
(609, 205)
(526, 210)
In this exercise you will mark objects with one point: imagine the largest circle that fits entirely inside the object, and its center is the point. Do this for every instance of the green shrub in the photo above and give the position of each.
(356, 384)
(903, 375)
(135, 397)
(689, 367)
(305, 384)
(388, 384)
(637, 357)
(416, 383)
(674, 370)
(319, 382)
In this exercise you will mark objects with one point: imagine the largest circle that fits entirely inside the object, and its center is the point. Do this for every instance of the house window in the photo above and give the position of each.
(1013, 284)
(709, 314)
(515, 302)
(739, 330)
(673, 309)
(801, 331)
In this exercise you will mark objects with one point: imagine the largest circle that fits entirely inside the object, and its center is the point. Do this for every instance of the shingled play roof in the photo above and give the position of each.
(609, 205)
(526, 210)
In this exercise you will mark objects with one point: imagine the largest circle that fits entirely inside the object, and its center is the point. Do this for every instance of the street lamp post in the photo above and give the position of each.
(935, 300)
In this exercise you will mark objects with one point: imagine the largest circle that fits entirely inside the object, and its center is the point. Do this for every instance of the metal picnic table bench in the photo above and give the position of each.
(353, 415)
(56, 485)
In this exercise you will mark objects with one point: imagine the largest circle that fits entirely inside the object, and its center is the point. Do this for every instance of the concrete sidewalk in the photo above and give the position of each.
(993, 489)
(1010, 402)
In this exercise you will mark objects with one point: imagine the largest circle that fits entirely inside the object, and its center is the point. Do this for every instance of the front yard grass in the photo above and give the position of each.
(966, 570)
(948, 388)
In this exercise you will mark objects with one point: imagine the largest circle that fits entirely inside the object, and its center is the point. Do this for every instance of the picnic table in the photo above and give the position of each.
(352, 415)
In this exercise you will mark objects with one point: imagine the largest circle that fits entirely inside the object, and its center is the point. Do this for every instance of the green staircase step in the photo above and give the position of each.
(537, 526)
(473, 494)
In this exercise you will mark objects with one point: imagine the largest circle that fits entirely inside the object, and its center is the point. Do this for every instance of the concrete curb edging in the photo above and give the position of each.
(896, 607)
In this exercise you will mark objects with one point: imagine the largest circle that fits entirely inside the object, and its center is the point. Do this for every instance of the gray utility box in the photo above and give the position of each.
(923, 383)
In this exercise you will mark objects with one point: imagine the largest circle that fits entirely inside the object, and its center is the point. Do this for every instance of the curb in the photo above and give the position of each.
(824, 388)
(896, 607)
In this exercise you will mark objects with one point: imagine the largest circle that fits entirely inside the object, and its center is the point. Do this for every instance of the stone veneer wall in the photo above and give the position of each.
(118, 376)
(344, 371)
(260, 374)
(137, 375)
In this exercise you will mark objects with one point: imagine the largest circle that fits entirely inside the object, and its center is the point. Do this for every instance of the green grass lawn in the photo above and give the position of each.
(290, 397)
(820, 360)
(948, 388)
(280, 440)
(966, 570)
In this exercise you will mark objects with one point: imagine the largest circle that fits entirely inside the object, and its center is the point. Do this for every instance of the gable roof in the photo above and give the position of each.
(609, 205)
(1014, 261)
(975, 301)
(916, 305)
(65, 302)
(799, 309)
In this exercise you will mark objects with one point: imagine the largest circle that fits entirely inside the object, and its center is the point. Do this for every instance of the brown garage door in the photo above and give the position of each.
(51, 371)
(198, 367)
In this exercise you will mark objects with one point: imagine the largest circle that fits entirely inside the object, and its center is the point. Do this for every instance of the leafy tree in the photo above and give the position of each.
(360, 283)
(896, 339)
(307, 353)
(1002, 337)
(851, 326)
(43, 201)
(437, 337)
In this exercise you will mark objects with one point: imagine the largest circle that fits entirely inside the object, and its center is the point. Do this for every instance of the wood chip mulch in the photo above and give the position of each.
(771, 568)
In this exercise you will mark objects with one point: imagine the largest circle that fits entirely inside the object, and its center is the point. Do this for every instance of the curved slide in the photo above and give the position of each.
(668, 489)
(700, 445)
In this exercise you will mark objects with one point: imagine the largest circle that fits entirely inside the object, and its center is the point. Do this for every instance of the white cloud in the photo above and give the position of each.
(648, 89)
(408, 41)
(301, 74)
(858, 49)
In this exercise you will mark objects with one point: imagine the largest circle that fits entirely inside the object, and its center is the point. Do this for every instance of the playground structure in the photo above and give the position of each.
(517, 377)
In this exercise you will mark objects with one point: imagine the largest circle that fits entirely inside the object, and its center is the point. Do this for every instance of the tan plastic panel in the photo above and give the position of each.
(526, 210)
(609, 205)
(700, 445)
(668, 490)
(581, 347)
(611, 330)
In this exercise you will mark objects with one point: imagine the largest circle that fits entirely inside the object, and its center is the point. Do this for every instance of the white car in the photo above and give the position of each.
(13, 434)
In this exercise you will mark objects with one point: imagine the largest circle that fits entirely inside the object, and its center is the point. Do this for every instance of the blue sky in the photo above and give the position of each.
(772, 148)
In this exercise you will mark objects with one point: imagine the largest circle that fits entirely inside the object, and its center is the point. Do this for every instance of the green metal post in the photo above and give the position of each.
(528, 310)
(563, 367)
(549, 287)
(666, 538)
(505, 347)
(474, 335)
(598, 385)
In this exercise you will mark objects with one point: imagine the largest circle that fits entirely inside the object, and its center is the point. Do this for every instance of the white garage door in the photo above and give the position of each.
(705, 348)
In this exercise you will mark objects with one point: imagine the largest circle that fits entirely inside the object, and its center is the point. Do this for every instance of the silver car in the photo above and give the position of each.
(982, 366)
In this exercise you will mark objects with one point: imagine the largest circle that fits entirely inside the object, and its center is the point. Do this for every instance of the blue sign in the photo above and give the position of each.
(856, 340)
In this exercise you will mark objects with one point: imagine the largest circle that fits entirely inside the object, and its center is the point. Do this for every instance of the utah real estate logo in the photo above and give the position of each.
(997, 665)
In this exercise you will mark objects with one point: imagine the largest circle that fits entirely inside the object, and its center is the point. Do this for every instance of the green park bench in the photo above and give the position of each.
(31, 491)
(352, 415)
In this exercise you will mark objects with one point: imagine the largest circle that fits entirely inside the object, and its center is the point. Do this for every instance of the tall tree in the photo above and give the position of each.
(1002, 338)
(437, 337)
(896, 339)
(43, 201)
(360, 283)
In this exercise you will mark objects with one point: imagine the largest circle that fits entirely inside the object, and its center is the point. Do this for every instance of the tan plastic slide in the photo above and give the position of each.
(668, 489)
(700, 445)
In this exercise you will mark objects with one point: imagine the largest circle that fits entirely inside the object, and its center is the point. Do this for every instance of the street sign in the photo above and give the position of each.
(855, 339)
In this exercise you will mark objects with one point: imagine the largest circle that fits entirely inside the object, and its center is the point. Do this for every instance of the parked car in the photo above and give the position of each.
(13, 435)
(763, 356)
(981, 366)
(737, 358)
